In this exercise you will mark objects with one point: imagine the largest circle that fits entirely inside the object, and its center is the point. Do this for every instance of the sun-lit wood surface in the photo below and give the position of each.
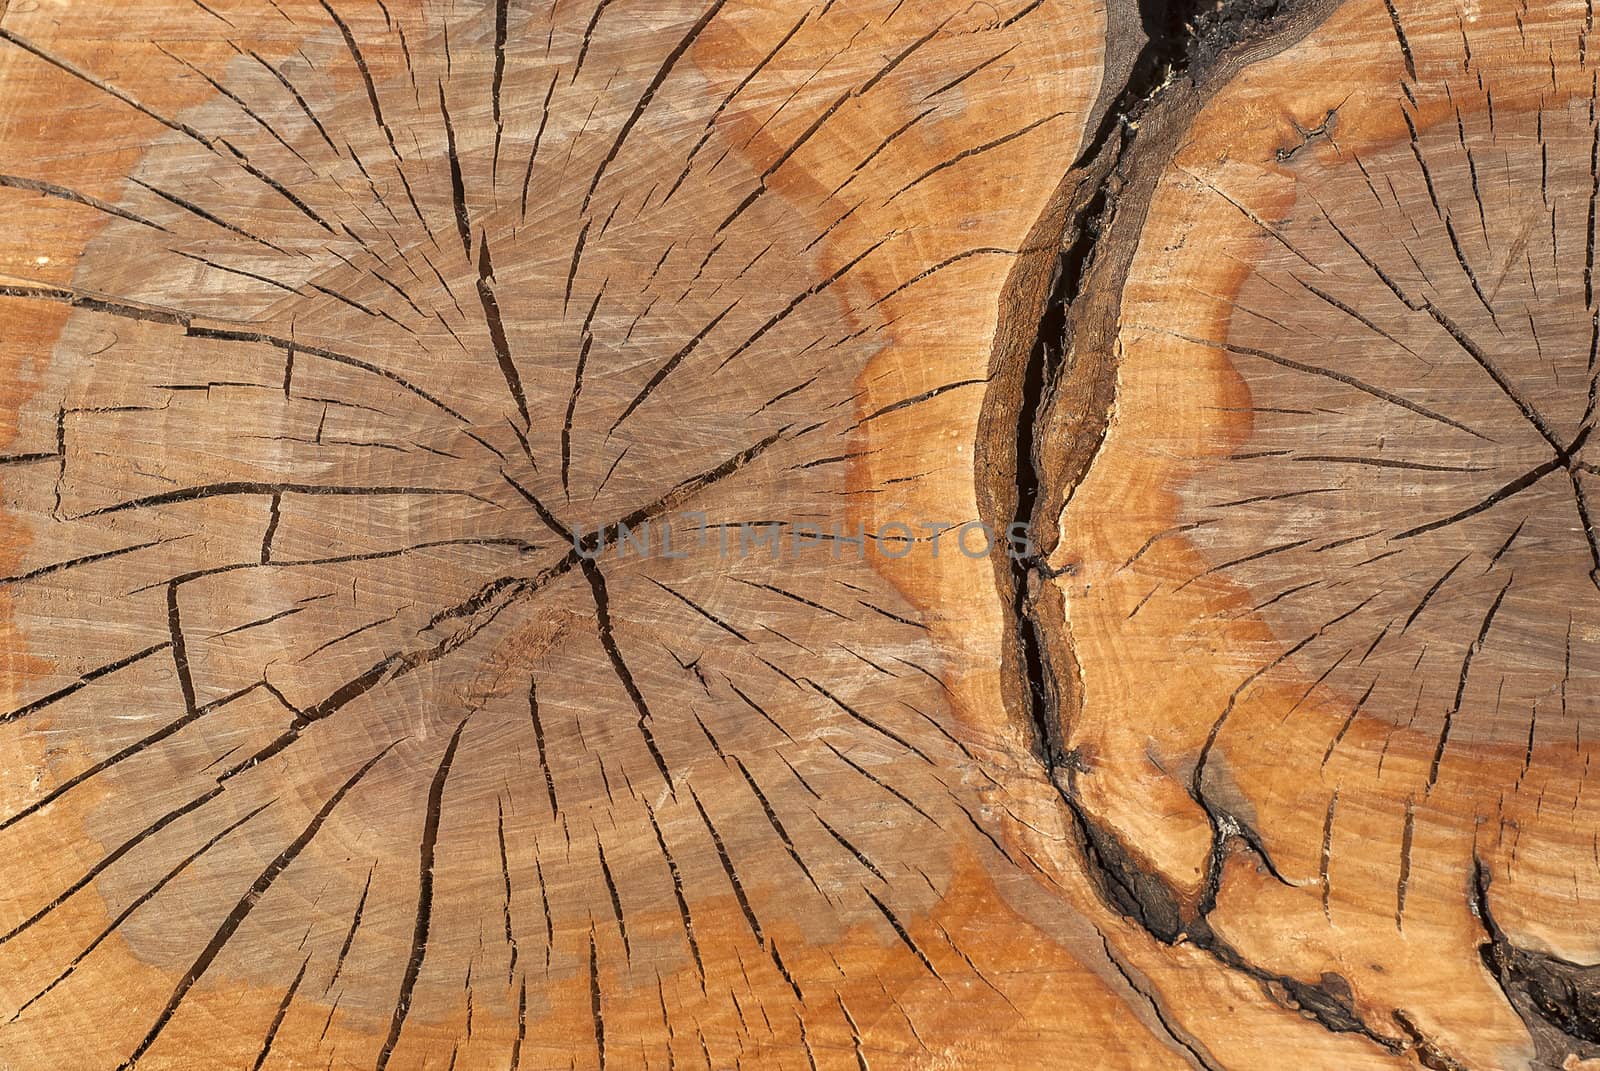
(1324, 605)
(358, 359)
(329, 328)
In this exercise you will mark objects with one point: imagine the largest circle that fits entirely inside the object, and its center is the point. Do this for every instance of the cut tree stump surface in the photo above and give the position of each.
(729, 533)
(1323, 613)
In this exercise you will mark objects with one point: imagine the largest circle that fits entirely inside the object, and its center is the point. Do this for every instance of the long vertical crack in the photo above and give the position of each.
(1171, 37)
(1185, 39)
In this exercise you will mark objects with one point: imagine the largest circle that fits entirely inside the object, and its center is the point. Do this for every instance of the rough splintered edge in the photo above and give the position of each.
(1165, 85)
(1118, 172)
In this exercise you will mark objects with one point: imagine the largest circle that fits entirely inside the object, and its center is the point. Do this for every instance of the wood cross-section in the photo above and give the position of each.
(347, 346)
(1323, 599)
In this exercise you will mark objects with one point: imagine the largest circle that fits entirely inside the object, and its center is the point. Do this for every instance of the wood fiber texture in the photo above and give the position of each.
(359, 357)
(1321, 601)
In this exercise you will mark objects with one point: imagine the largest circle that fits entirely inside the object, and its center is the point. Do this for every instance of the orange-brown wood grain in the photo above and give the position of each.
(1130, 596)
(324, 745)
(1326, 580)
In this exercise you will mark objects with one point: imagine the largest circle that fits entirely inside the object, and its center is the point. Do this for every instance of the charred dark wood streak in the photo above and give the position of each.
(1552, 995)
